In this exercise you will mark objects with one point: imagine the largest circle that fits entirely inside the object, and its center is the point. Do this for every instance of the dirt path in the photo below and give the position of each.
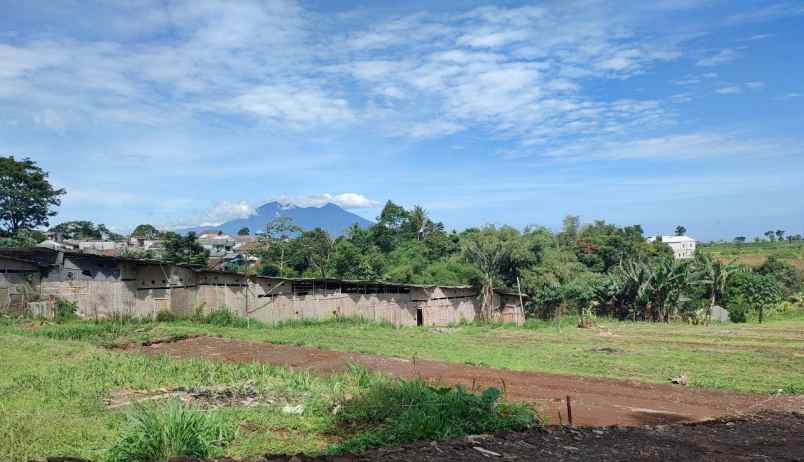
(595, 401)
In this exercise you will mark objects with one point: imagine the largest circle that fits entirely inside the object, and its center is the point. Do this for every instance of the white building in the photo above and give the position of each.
(683, 246)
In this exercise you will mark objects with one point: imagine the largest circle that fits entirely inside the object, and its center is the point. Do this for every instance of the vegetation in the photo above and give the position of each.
(156, 434)
(26, 196)
(400, 412)
(70, 398)
(86, 230)
(183, 249)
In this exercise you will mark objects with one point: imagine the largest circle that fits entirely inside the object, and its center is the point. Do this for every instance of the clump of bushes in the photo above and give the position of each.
(399, 412)
(65, 310)
(158, 434)
(165, 316)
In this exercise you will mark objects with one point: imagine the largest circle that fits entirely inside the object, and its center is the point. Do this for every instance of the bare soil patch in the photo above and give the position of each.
(595, 401)
(762, 437)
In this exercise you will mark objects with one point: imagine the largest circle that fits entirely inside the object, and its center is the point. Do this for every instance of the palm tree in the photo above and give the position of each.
(715, 275)
(421, 222)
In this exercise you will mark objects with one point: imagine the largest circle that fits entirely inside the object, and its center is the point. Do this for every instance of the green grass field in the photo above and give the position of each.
(755, 253)
(54, 396)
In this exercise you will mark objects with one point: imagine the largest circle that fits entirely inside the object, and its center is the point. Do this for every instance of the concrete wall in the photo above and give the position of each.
(103, 287)
(19, 284)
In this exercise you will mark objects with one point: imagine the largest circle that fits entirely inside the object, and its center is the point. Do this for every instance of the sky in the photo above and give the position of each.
(175, 113)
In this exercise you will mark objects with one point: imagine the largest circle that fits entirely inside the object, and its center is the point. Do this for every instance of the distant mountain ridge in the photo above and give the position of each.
(330, 217)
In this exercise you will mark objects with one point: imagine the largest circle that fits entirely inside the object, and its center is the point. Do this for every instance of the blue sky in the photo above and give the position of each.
(175, 113)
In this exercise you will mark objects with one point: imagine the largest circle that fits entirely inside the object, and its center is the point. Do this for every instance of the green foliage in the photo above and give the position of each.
(65, 310)
(184, 249)
(400, 412)
(26, 196)
(788, 276)
(147, 231)
(85, 230)
(165, 316)
(159, 434)
(759, 291)
(243, 231)
(23, 238)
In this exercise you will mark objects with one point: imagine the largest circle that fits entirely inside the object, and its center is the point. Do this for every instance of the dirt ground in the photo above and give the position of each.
(763, 437)
(594, 401)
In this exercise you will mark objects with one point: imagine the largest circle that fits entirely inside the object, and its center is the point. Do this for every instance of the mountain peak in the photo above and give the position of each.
(330, 217)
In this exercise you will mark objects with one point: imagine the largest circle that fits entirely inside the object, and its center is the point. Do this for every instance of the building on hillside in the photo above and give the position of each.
(683, 246)
(218, 244)
(105, 286)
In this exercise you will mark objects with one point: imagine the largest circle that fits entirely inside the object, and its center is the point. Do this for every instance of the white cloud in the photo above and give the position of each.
(294, 105)
(737, 89)
(345, 200)
(767, 13)
(721, 57)
(729, 90)
(225, 211)
(435, 128)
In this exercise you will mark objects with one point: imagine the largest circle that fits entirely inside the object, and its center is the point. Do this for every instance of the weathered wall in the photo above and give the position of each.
(19, 284)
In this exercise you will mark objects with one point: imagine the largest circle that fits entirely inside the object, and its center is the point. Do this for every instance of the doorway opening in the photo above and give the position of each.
(419, 317)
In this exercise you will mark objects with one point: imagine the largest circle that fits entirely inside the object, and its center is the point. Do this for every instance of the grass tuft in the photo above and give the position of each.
(399, 412)
(159, 434)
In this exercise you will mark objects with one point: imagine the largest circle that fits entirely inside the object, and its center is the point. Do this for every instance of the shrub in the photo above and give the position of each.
(65, 310)
(225, 318)
(156, 435)
(165, 316)
(398, 412)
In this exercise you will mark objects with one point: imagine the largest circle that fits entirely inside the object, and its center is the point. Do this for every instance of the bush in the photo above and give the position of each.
(225, 318)
(156, 435)
(165, 316)
(738, 311)
(65, 310)
(400, 412)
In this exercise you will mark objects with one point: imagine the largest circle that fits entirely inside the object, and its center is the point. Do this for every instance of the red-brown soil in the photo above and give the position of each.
(777, 437)
(595, 401)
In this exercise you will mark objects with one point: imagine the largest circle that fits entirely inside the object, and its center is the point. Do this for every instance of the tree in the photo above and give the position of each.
(184, 249)
(758, 290)
(770, 235)
(85, 230)
(244, 232)
(779, 235)
(496, 253)
(316, 247)
(420, 223)
(569, 230)
(146, 231)
(680, 230)
(26, 196)
(739, 239)
(276, 243)
(714, 275)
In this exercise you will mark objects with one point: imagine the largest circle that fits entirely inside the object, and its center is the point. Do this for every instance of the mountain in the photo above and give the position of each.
(333, 219)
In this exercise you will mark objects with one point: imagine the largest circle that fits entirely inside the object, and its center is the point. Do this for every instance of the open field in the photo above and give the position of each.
(739, 357)
(755, 253)
(61, 390)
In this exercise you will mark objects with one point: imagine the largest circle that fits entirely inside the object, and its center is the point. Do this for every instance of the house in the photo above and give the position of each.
(108, 286)
(218, 244)
(683, 246)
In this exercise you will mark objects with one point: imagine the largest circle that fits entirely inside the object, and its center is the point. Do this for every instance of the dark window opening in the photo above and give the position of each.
(419, 317)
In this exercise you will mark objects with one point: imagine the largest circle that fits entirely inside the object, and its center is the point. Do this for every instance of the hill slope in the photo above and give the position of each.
(329, 217)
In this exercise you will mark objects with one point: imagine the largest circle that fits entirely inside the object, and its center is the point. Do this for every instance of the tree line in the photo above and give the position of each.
(593, 268)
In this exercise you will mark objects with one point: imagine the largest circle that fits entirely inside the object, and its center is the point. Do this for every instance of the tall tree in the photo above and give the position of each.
(147, 231)
(714, 275)
(681, 230)
(26, 195)
(494, 252)
(317, 247)
(243, 231)
(770, 235)
(184, 249)
(276, 243)
(82, 229)
(779, 235)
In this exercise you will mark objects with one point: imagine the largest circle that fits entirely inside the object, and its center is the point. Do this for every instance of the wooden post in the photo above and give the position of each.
(569, 410)
(521, 303)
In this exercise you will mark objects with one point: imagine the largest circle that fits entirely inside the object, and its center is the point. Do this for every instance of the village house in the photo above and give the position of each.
(683, 246)
(106, 286)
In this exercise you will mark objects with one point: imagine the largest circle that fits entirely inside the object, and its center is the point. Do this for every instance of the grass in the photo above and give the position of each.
(56, 381)
(400, 412)
(755, 253)
(740, 357)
